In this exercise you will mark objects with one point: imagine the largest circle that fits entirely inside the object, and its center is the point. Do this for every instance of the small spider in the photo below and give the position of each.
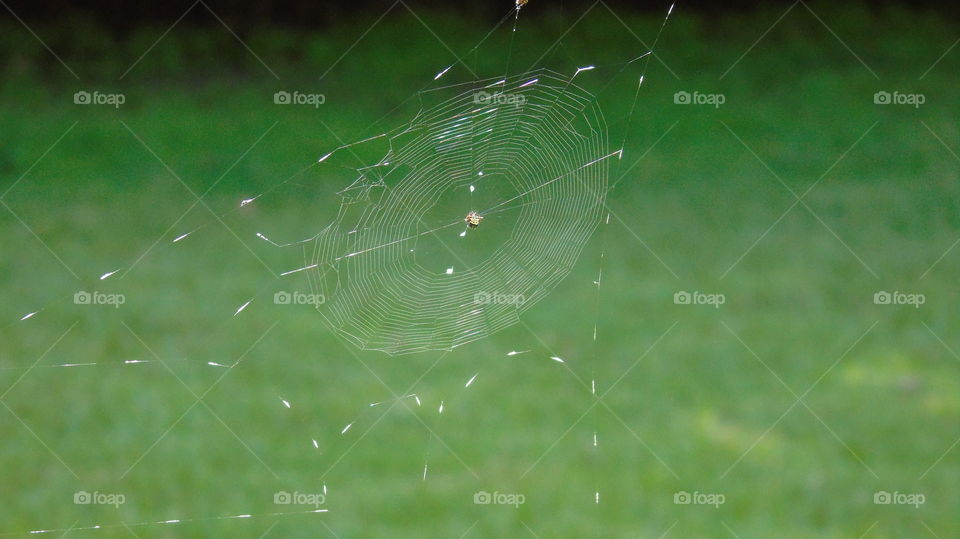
(473, 219)
(521, 3)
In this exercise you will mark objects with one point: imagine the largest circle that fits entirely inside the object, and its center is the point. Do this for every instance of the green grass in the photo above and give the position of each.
(696, 412)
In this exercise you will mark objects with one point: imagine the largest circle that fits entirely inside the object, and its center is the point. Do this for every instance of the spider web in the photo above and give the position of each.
(399, 271)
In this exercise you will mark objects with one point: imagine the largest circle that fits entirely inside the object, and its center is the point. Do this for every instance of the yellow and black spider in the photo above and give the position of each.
(473, 219)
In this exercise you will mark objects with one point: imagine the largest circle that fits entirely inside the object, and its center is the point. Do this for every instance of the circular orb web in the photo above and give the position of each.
(401, 272)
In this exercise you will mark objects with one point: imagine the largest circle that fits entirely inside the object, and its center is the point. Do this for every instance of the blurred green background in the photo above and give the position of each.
(798, 400)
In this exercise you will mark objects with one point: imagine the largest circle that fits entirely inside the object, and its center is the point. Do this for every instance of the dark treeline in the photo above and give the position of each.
(119, 15)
